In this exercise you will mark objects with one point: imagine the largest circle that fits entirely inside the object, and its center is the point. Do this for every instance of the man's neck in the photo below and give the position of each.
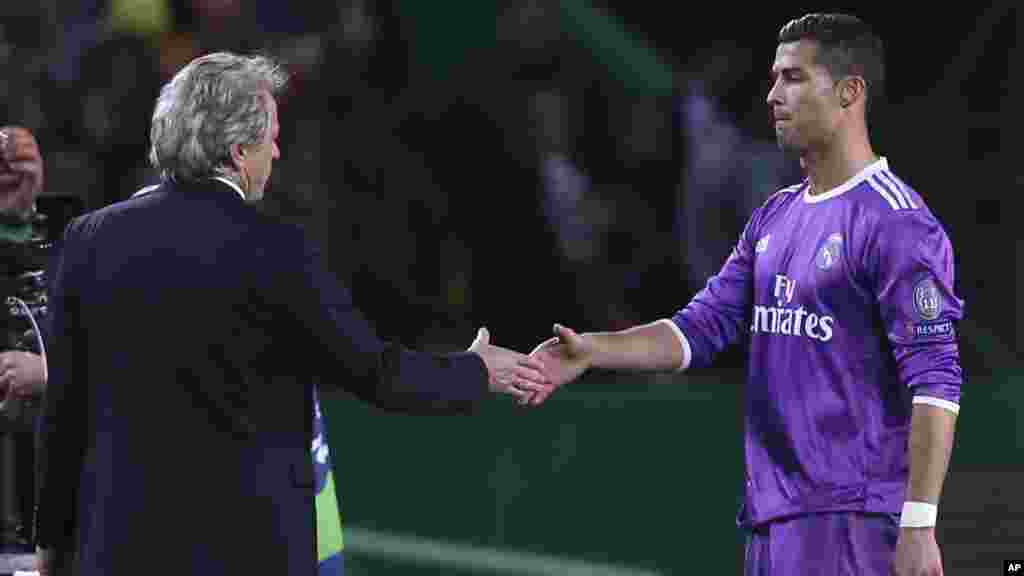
(831, 166)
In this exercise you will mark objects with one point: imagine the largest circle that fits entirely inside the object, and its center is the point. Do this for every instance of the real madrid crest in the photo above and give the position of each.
(830, 251)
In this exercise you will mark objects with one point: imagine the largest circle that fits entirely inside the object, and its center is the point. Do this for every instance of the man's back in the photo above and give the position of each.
(195, 455)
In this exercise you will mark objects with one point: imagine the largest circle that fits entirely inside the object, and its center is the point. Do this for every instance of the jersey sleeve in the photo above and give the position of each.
(913, 277)
(718, 315)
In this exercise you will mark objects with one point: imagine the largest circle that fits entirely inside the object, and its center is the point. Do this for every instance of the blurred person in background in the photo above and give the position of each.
(843, 285)
(183, 439)
(22, 354)
(727, 175)
(26, 32)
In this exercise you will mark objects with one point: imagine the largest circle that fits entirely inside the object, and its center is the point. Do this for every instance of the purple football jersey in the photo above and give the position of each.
(847, 300)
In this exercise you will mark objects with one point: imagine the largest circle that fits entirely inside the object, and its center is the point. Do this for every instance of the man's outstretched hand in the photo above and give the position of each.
(508, 371)
(565, 356)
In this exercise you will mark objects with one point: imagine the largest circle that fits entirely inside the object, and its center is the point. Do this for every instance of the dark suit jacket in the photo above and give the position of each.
(187, 329)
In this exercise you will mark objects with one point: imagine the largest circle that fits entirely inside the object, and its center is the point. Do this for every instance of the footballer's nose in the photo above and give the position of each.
(774, 97)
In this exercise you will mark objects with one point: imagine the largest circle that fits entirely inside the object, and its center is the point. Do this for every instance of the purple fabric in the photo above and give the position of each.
(846, 300)
(831, 544)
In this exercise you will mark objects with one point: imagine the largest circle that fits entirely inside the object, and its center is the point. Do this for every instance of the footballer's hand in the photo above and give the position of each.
(21, 170)
(566, 356)
(508, 371)
(917, 553)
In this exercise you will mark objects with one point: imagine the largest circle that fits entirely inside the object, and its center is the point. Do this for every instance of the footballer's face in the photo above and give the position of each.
(803, 100)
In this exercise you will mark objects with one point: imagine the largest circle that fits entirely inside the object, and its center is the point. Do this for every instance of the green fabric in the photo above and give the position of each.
(328, 522)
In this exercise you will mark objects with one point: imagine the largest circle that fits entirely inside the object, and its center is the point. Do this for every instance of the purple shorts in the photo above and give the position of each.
(832, 544)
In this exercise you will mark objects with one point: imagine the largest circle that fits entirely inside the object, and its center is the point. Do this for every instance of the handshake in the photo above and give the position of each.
(533, 377)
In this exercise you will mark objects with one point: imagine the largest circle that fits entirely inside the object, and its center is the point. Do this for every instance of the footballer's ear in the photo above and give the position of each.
(852, 89)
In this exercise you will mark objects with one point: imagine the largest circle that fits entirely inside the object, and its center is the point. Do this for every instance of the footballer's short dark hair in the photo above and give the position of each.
(847, 46)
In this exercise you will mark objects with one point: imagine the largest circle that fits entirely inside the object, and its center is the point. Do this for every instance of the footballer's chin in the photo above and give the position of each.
(787, 143)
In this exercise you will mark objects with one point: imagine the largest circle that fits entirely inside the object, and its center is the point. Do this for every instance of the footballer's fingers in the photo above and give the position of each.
(527, 399)
(519, 393)
(549, 343)
(540, 397)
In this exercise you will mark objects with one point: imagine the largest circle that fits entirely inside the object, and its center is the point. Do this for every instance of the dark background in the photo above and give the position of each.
(514, 164)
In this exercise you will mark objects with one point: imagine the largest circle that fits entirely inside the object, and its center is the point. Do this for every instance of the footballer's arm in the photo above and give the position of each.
(931, 442)
(658, 346)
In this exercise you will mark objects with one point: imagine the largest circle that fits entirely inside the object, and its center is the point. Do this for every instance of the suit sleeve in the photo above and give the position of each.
(62, 428)
(351, 356)
(913, 277)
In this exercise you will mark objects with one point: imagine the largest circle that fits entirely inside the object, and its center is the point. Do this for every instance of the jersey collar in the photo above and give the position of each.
(876, 166)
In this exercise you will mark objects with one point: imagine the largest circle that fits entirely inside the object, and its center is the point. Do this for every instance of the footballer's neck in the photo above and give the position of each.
(832, 164)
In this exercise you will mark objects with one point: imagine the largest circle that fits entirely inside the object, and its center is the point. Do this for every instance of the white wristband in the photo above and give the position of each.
(918, 515)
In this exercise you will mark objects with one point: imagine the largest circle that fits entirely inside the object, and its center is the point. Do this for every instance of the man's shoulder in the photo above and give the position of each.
(146, 190)
(166, 208)
(786, 193)
(881, 191)
(893, 217)
(780, 198)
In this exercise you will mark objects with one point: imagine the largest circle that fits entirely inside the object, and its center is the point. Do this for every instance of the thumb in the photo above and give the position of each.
(482, 338)
(568, 337)
(565, 334)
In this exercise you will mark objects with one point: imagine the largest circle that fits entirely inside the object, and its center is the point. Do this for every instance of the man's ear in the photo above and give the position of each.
(851, 90)
(237, 156)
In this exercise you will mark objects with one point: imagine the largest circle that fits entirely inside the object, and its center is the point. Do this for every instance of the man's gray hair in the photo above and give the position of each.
(210, 104)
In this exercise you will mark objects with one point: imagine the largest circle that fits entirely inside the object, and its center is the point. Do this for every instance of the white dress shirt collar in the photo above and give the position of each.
(232, 184)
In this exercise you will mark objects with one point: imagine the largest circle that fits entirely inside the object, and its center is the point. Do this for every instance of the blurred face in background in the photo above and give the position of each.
(255, 162)
(804, 99)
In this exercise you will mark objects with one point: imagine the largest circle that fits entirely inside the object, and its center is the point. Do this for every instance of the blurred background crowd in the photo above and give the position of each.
(529, 161)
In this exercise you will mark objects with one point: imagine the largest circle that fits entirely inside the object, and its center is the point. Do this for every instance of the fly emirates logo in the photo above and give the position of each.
(784, 319)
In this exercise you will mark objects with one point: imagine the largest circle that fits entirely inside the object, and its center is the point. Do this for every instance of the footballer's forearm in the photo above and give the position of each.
(931, 442)
(650, 347)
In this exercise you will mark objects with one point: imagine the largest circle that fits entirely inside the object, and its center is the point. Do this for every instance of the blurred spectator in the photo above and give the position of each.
(26, 28)
(581, 217)
(115, 91)
(370, 185)
(726, 176)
